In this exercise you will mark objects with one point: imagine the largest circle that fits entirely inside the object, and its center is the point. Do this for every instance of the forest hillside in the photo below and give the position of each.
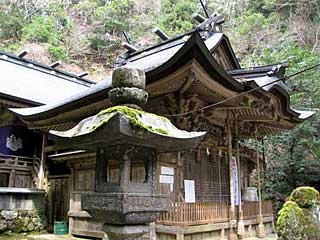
(87, 35)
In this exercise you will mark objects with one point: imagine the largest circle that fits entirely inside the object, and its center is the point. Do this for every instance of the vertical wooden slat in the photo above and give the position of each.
(188, 213)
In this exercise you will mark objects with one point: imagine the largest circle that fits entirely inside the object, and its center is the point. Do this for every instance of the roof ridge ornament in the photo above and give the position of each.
(161, 34)
(23, 53)
(211, 23)
(277, 71)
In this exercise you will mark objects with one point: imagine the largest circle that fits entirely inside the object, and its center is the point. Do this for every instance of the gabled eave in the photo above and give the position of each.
(195, 48)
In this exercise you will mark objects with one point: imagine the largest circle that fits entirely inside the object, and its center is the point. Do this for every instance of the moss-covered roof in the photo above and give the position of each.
(137, 118)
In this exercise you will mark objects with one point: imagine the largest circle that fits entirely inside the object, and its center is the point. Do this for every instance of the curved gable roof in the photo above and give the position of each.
(160, 62)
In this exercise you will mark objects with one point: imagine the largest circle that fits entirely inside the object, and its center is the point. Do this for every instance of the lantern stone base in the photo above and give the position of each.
(124, 208)
(126, 232)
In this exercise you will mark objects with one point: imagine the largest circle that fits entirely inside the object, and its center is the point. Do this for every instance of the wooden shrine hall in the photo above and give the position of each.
(210, 190)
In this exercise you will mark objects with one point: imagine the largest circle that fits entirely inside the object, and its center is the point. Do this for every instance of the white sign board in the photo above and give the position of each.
(166, 179)
(167, 170)
(189, 191)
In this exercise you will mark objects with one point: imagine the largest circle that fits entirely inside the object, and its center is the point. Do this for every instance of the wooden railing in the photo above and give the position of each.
(209, 212)
(19, 161)
(195, 213)
(251, 209)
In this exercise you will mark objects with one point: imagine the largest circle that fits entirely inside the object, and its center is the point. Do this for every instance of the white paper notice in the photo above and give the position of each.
(166, 179)
(189, 191)
(167, 170)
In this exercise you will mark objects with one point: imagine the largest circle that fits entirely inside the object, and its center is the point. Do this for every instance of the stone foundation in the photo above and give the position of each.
(22, 210)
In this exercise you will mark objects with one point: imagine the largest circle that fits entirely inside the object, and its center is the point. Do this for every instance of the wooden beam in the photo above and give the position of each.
(255, 118)
(232, 107)
(52, 148)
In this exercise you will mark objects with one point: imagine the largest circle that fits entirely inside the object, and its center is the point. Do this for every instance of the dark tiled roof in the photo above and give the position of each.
(37, 83)
(161, 60)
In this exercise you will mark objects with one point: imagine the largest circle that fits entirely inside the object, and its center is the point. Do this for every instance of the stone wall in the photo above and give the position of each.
(22, 210)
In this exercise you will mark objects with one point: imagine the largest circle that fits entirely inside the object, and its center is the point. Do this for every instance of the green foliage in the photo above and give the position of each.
(292, 158)
(298, 218)
(305, 91)
(305, 197)
(58, 52)
(42, 29)
(251, 22)
(10, 24)
(291, 222)
(116, 16)
(176, 16)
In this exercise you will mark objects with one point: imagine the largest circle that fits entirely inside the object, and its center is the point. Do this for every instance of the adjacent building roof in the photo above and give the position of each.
(37, 84)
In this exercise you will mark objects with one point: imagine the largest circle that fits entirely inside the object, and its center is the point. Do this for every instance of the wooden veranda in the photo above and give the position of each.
(188, 214)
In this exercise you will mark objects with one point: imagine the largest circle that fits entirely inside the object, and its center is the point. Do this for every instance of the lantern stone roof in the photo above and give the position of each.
(125, 125)
(36, 84)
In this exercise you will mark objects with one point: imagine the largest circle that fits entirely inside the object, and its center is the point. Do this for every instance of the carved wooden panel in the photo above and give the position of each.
(23, 181)
(84, 180)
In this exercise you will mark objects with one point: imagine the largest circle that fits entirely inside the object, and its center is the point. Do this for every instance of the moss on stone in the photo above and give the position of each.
(305, 197)
(298, 218)
(133, 115)
(162, 131)
(291, 222)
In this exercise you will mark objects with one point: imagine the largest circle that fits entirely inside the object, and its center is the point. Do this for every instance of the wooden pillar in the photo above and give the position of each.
(179, 236)
(232, 234)
(261, 231)
(201, 176)
(12, 178)
(71, 189)
(219, 175)
(241, 228)
(222, 234)
(42, 161)
(152, 235)
(180, 173)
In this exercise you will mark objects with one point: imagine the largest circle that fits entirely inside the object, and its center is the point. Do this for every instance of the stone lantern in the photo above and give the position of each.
(126, 141)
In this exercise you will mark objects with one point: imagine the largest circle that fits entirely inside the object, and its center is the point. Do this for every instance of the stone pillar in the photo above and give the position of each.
(261, 230)
(233, 221)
